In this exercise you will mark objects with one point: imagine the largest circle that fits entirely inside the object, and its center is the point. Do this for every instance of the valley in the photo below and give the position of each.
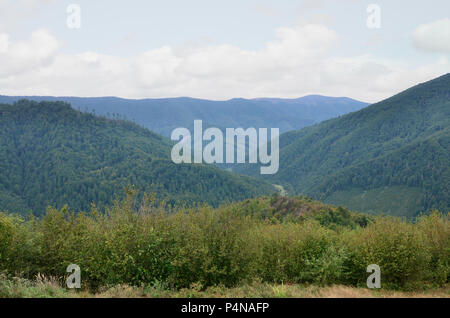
(401, 145)
(369, 187)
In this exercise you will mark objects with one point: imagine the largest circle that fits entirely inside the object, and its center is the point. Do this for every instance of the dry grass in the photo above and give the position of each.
(49, 287)
(270, 291)
(350, 292)
(41, 287)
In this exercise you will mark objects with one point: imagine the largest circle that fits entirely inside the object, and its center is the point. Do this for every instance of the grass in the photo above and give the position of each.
(51, 288)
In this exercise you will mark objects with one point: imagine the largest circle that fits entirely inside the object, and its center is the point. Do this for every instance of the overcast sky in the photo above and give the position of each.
(222, 49)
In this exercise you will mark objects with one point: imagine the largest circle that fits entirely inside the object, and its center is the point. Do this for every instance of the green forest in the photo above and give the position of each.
(52, 155)
(400, 146)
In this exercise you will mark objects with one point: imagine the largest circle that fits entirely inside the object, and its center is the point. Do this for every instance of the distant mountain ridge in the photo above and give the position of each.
(164, 115)
(392, 157)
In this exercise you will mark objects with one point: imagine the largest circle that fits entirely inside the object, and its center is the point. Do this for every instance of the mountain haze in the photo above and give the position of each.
(164, 115)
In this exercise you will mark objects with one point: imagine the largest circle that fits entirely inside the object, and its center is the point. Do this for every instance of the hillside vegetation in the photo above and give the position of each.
(270, 240)
(399, 147)
(51, 154)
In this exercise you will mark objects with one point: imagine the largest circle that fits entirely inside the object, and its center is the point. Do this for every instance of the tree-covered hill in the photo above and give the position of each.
(51, 154)
(164, 115)
(391, 157)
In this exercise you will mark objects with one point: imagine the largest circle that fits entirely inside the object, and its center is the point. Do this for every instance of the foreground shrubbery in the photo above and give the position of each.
(257, 240)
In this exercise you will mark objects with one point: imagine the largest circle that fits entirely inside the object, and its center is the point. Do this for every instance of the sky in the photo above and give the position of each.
(367, 50)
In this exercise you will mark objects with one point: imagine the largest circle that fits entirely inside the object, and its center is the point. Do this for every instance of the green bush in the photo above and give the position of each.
(212, 248)
(19, 250)
(398, 247)
(150, 246)
(436, 231)
(299, 253)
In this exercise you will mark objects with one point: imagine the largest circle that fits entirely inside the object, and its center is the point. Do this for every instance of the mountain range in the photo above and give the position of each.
(392, 157)
(164, 115)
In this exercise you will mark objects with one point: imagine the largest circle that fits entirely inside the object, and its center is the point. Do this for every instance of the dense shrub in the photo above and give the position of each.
(149, 245)
(299, 253)
(212, 247)
(406, 253)
(19, 252)
(436, 231)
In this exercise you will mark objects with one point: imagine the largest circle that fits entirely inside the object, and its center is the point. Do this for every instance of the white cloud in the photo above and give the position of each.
(25, 56)
(297, 63)
(4, 42)
(434, 36)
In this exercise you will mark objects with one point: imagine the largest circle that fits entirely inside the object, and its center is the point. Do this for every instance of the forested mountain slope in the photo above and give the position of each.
(51, 154)
(391, 157)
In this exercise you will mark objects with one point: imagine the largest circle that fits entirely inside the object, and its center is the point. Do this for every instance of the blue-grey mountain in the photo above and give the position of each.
(164, 115)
